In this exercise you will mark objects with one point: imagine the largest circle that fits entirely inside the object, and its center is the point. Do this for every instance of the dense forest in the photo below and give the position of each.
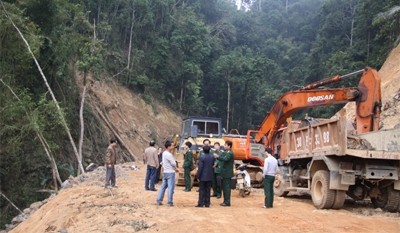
(200, 57)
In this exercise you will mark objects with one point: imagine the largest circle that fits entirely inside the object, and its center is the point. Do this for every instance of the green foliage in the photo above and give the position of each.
(24, 165)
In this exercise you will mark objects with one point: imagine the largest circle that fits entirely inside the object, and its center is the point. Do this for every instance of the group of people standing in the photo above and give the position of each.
(215, 170)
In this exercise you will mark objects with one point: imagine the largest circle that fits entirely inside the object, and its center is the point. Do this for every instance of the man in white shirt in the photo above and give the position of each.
(270, 166)
(168, 181)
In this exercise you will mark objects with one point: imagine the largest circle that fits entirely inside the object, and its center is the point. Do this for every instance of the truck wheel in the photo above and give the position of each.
(398, 208)
(340, 197)
(280, 186)
(322, 196)
(393, 199)
(381, 199)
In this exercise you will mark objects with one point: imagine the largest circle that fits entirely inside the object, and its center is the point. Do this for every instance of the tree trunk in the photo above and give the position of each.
(94, 29)
(64, 122)
(353, 9)
(82, 123)
(351, 32)
(130, 40)
(11, 202)
(181, 97)
(54, 169)
(228, 105)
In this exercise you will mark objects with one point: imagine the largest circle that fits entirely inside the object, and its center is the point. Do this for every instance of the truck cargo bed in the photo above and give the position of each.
(333, 137)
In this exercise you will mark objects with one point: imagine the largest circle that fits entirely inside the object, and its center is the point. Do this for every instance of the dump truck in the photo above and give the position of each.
(332, 158)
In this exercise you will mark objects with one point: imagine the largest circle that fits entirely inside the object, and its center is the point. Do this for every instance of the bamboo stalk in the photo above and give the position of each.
(11, 203)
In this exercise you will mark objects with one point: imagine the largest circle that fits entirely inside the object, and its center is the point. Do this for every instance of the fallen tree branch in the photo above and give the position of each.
(11, 203)
(110, 126)
(46, 191)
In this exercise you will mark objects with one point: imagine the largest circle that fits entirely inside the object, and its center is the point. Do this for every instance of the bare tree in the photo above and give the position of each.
(130, 39)
(82, 122)
(353, 7)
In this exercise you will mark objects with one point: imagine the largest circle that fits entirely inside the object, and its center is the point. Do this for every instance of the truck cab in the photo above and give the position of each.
(196, 129)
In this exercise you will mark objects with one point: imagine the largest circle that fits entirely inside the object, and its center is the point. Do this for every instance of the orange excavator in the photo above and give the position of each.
(367, 96)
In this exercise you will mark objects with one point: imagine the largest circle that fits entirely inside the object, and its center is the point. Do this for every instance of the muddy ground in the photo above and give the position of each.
(88, 207)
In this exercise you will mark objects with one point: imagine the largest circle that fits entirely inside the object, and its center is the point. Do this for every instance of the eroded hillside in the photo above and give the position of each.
(129, 117)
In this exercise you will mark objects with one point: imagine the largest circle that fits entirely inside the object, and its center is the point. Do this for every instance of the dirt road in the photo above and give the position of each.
(88, 207)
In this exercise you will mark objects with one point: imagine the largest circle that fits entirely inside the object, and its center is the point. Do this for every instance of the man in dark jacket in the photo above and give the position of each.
(110, 161)
(205, 175)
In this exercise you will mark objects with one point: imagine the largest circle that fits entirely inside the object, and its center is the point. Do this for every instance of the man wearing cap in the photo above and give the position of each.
(270, 166)
(150, 157)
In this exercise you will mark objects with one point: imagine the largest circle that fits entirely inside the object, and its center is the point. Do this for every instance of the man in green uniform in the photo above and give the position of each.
(227, 160)
(187, 166)
(217, 181)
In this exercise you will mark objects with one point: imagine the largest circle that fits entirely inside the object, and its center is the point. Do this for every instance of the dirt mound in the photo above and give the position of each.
(390, 84)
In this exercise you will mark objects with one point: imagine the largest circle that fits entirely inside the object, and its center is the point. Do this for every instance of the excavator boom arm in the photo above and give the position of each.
(367, 96)
(292, 102)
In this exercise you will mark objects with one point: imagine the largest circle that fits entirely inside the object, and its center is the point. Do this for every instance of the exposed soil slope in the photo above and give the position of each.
(135, 121)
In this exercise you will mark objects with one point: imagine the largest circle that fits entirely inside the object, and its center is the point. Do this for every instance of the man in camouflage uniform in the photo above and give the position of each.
(187, 166)
(227, 160)
(217, 181)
